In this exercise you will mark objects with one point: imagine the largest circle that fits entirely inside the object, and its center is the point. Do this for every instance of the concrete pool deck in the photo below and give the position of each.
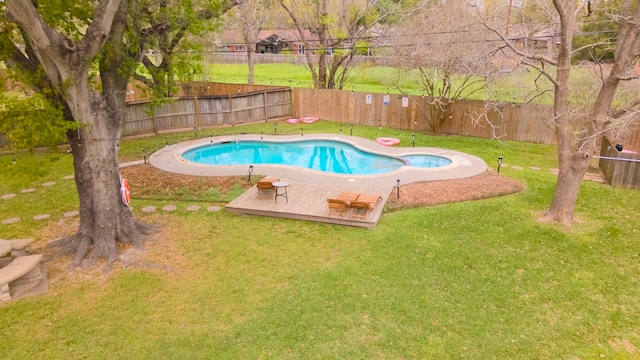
(463, 165)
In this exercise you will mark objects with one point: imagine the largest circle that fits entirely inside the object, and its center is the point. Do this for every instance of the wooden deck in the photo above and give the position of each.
(308, 202)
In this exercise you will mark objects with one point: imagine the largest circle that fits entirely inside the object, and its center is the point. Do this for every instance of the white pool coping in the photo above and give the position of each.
(462, 165)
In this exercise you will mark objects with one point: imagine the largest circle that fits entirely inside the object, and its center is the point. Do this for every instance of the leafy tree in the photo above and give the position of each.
(32, 122)
(164, 37)
(59, 48)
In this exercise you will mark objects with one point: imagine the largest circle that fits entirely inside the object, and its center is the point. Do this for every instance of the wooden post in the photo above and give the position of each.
(264, 101)
(153, 121)
(231, 114)
(197, 111)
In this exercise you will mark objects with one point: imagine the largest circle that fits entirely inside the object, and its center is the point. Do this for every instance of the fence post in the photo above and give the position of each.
(231, 113)
(197, 111)
(153, 121)
(264, 101)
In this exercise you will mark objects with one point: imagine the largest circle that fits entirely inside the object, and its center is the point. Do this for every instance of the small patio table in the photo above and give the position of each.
(281, 185)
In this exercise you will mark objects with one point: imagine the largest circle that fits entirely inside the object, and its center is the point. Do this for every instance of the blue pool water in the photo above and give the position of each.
(322, 155)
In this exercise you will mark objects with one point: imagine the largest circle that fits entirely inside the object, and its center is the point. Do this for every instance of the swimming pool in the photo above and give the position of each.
(321, 155)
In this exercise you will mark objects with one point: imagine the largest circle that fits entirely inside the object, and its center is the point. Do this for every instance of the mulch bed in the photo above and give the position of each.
(486, 185)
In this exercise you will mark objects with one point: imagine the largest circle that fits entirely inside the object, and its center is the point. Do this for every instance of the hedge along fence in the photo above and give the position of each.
(619, 168)
(204, 111)
(520, 122)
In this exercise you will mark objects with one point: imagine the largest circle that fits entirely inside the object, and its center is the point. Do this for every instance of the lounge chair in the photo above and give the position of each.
(266, 184)
(371, 199)
(361, 209)
(337, 207)
(348, 197)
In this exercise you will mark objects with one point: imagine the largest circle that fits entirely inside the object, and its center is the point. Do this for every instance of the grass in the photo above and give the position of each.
(516, 86)
(479, 280)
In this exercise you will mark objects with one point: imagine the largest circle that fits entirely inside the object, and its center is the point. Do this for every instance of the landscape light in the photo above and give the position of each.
(398, 187)
(413, 139)
(144, 156)
(195, 131)
(250, 171)
(499, 163)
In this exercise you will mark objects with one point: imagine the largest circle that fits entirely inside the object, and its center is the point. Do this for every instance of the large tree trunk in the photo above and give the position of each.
(250, 61)
(104, 219)
(572, 168)
(569, 173)
(574, 153)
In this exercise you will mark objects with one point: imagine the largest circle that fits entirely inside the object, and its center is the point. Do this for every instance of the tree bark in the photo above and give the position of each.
(569, 173)
(574, 153)
(250, 61)
(104, 219)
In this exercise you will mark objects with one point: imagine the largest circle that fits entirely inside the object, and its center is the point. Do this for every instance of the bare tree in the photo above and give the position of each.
(252, 15)
(343, 28)
(581, 119)
(447, 52)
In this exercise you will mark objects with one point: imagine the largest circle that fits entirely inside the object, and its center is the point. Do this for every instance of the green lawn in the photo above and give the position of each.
(520, 85)
(479, 280)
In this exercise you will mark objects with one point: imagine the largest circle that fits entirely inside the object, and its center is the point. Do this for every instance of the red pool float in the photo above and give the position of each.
(388, 141)
(293, 121)
(309, 120)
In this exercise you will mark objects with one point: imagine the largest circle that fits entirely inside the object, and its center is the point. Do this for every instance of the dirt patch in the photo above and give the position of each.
(146, 178)
(486, 185)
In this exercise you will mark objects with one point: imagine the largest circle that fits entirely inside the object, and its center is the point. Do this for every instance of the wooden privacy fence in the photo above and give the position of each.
(203, 111)
(520, 122)
(619, 168)
(203, 105)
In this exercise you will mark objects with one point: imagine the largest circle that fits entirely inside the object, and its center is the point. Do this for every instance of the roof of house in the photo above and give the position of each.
(524, 31)
(235, 36)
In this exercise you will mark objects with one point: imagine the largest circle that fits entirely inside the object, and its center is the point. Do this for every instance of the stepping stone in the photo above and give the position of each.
(516, 167)
(49, 183)
(554, 171)
(149, 209)
(534, 168)
(41, 217)
(193, 208)
(11, 220)
(7, 196)
(69, 177)
(29, 190)
(169, 208)
(69, 214)
(214, 208)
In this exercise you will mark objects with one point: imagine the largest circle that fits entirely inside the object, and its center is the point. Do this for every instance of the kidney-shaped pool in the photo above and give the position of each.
(321, 155)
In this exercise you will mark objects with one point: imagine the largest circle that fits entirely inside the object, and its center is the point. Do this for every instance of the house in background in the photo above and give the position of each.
(542, 41)
(268, 42)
